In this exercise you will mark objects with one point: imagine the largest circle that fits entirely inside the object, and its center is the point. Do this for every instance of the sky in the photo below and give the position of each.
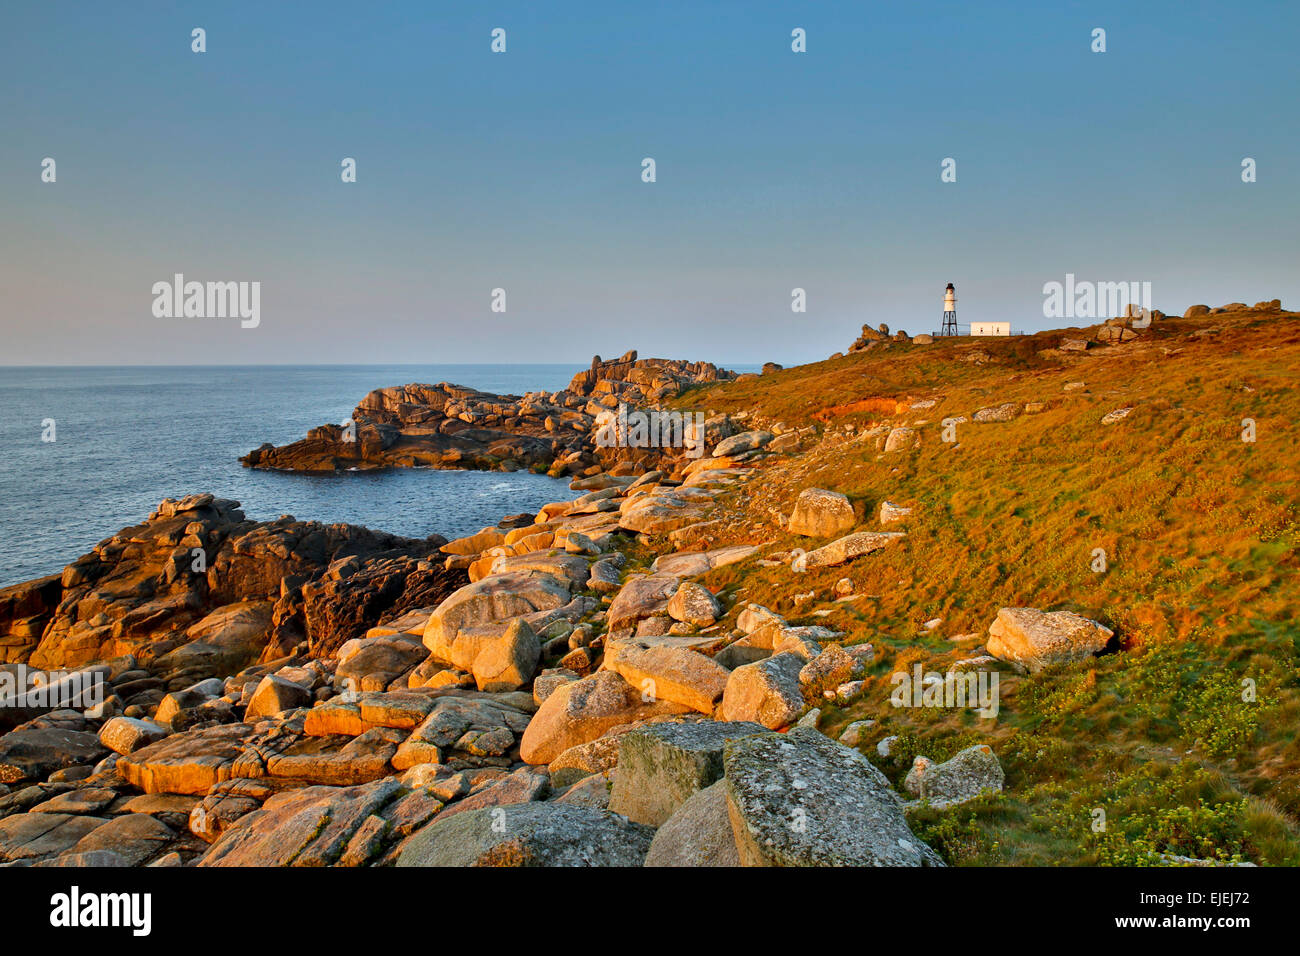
(522, 171)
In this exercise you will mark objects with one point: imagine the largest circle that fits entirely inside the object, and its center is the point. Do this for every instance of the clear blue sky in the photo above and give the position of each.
(522, 171)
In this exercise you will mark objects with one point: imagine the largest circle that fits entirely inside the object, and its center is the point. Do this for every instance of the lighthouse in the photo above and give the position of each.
(949, 311)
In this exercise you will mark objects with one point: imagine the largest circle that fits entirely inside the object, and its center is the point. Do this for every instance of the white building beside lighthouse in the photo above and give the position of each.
(976, 328)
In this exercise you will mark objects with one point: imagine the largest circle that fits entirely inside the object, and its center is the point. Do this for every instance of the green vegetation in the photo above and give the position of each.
(1185, 735)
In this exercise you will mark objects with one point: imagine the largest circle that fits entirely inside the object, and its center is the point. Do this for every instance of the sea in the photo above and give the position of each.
(125, 438)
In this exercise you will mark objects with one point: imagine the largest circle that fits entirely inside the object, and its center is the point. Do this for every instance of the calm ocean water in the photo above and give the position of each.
(129, 437)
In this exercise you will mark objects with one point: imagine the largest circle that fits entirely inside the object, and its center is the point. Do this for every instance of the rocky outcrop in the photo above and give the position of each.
(145, 590)
(451, 426)
(275, 695)
(188, 762)
(870, 337)
(443, 426)
(25, 610)
(354, 595)
(666, 510)
(126, 735)
(902, 438)
(652, 379)
(744, 442)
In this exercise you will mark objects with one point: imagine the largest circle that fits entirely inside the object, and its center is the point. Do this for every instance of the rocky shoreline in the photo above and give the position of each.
(331, 695)
(557, 689)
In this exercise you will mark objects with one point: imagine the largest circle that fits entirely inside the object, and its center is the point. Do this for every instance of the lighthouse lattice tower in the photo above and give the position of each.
(949, 311)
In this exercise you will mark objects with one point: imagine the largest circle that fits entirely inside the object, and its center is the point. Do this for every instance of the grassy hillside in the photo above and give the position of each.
(1201, 534)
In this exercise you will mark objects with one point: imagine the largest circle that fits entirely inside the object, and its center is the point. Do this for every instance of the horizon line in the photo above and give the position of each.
(351, 364)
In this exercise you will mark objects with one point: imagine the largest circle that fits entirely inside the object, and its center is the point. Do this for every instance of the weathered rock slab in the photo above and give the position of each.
(662, 765)
(583, 710)
(529, 834)
(801, 799)
(33, 754)
(188, 762)
(676, 674)
(698, 833)
(846, 549)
